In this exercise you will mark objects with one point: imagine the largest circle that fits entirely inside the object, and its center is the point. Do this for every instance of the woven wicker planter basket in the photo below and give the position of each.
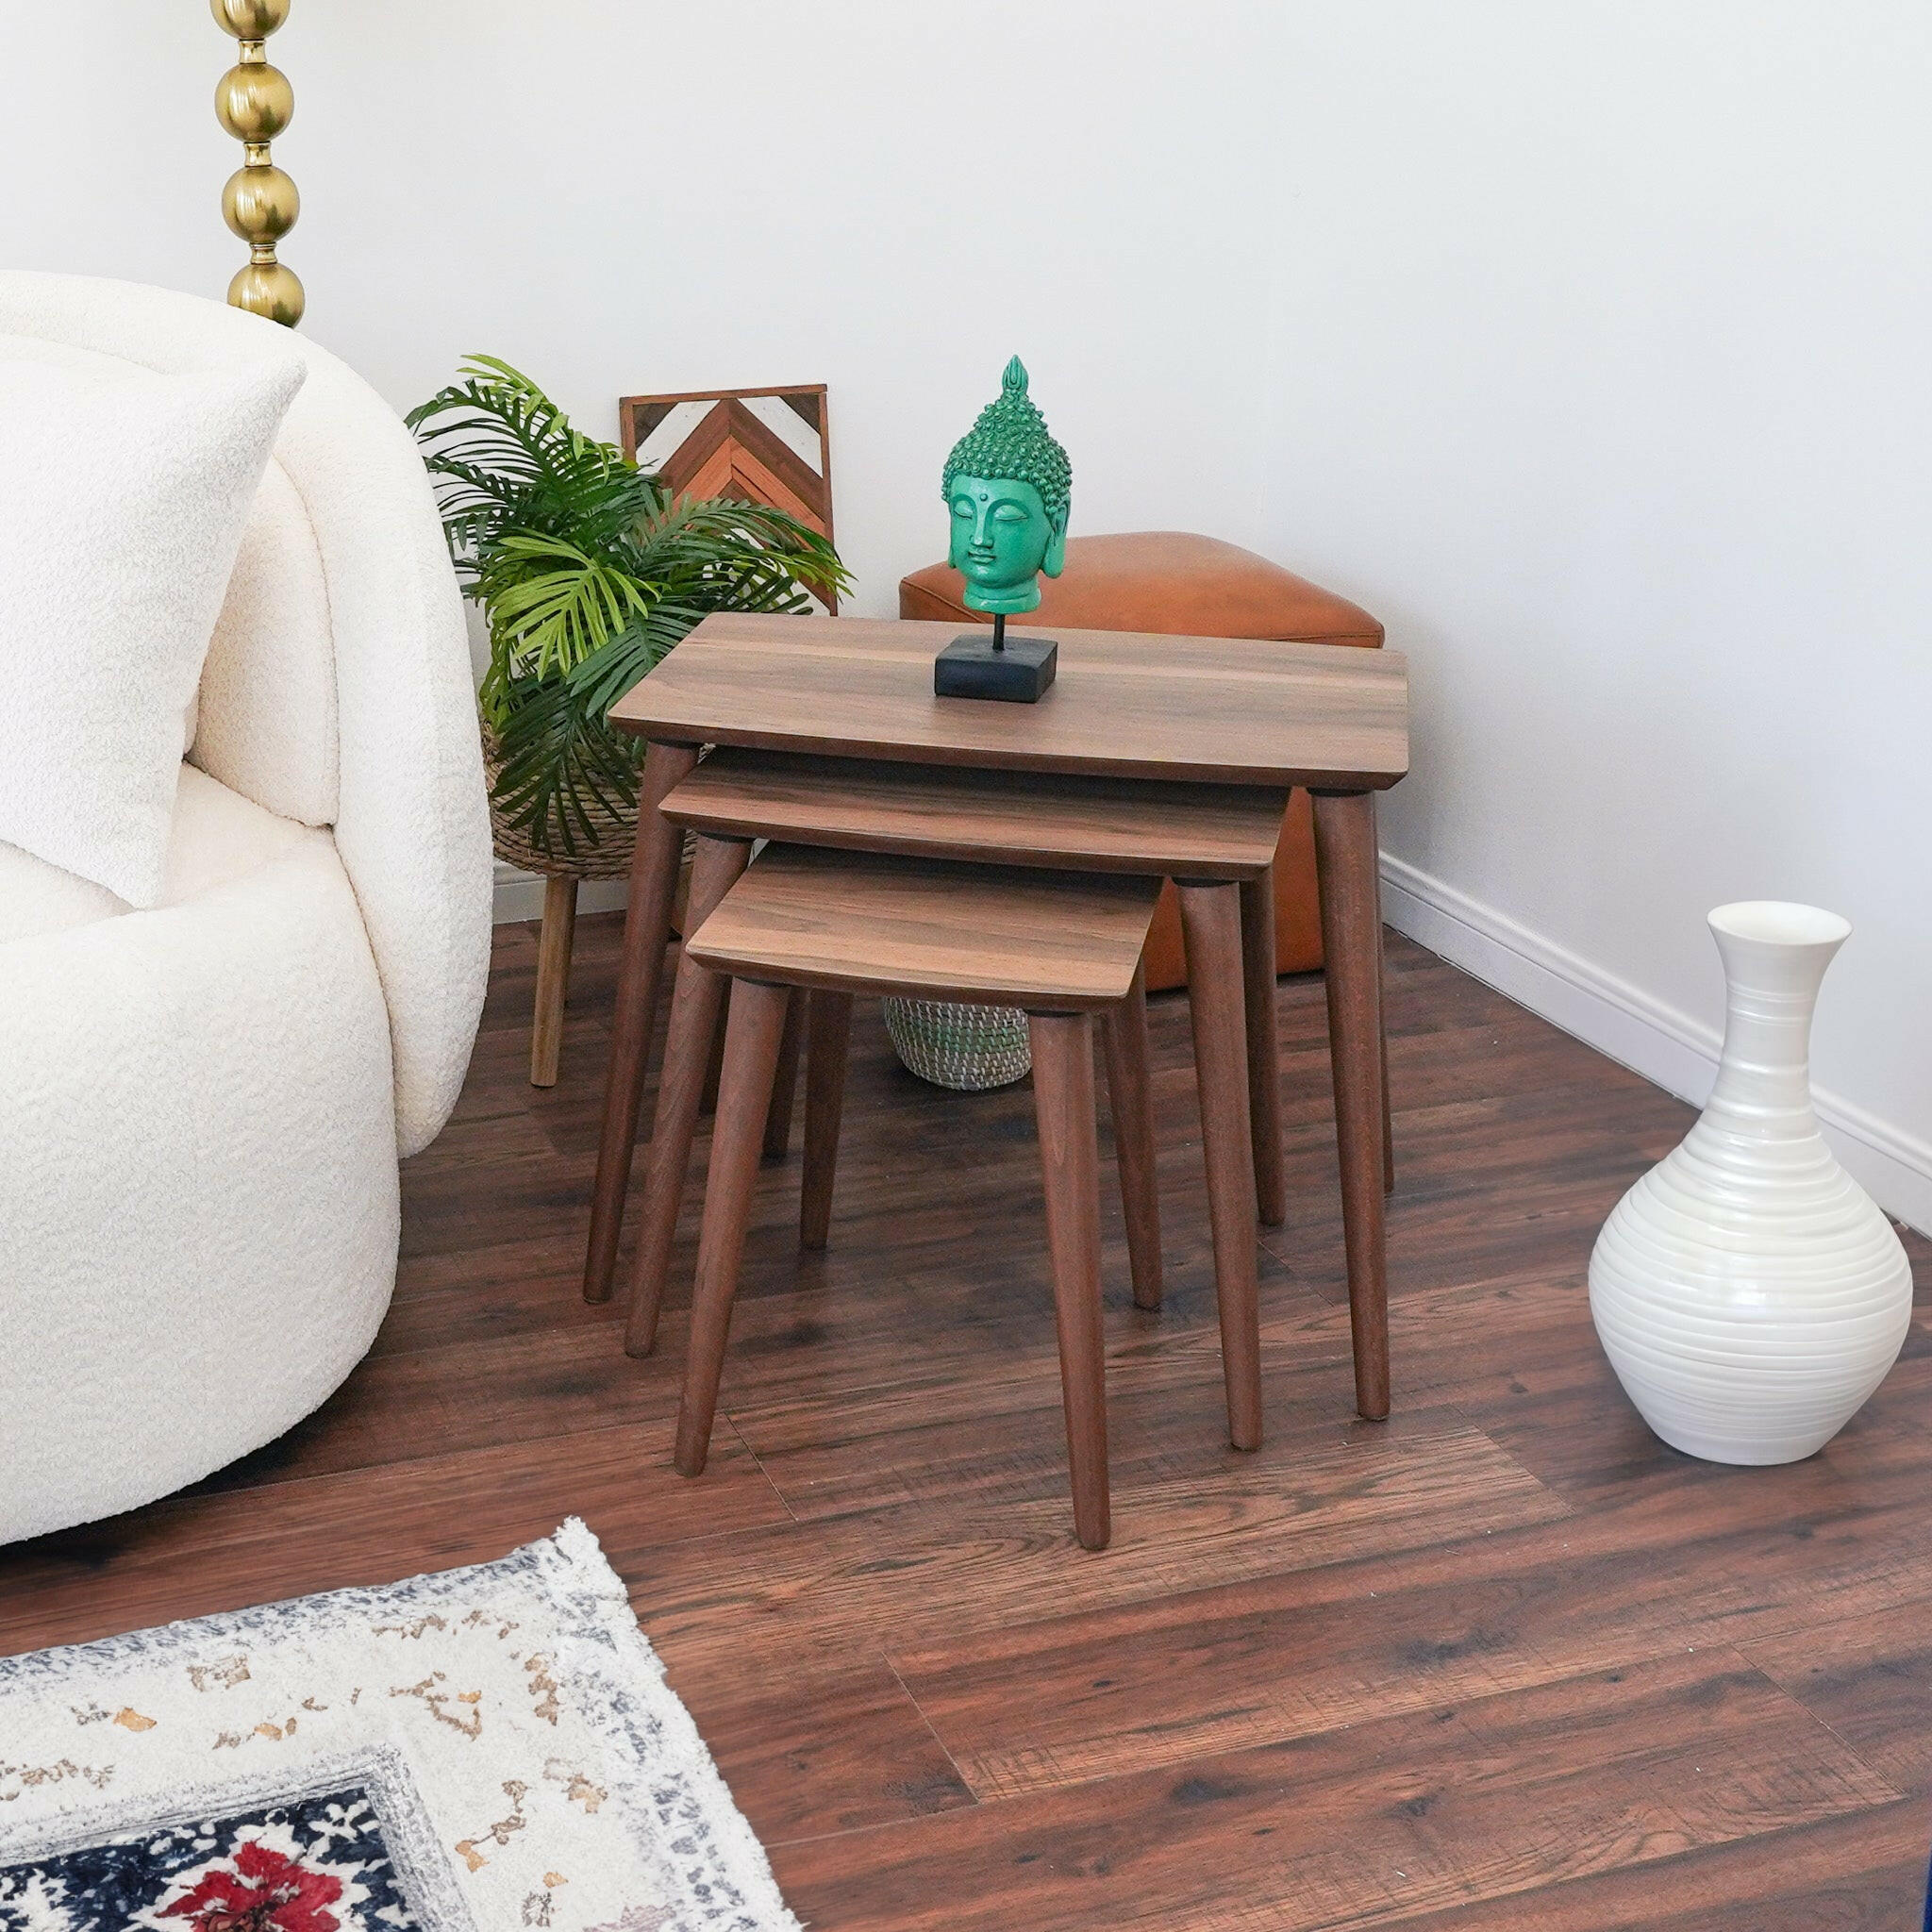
(608, 858)
(966, 1048)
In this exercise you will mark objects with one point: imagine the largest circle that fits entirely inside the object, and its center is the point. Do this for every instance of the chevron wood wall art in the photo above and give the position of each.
(759, 445)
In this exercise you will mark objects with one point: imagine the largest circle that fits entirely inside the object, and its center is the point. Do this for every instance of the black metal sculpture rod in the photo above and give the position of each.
(999, 630)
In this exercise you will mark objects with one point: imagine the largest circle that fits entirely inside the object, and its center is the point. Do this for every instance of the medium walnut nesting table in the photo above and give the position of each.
(1221, 838)
(1199, 710)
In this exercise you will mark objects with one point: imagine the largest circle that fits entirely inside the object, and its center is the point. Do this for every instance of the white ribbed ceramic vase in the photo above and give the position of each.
(1747, 1291)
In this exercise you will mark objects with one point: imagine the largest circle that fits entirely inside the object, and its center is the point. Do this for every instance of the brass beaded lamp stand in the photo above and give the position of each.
(254, 102)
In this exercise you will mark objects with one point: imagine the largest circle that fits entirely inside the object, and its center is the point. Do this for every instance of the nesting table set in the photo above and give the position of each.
(953, 848)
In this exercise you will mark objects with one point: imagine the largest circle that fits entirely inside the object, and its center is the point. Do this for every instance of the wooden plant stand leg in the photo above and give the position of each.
(829, 1039)
(784, 1083)
(646, 931)
(696, 1001)
(1070, 1160)
(552, 978)
(1351, 943)
(745, 1092)
(1264, 1048)
(1211, 924)
(1130, 1097)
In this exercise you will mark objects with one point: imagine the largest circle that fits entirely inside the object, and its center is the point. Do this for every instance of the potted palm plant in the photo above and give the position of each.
(588, 570)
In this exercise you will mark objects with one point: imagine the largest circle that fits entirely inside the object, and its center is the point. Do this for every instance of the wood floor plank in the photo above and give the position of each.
(827, 1740)
(1293, 1653)
(1462, 1802)
(1865, 1872)
(218, 1549)
(828, 1324)
(526, 1286)
(1711, 1557)
(929, 1574)
(402, 1407)
(1870, 1678)
(974, 1446)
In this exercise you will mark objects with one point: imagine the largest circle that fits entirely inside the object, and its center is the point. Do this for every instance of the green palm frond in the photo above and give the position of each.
(554, 604)
(588, 572)
(601, 680)
(748, 542)
(506, 456)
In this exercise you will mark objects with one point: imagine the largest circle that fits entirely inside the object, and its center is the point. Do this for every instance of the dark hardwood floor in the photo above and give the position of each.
(1502, 1663)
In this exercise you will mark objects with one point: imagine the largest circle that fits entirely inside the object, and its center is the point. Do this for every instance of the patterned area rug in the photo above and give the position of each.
(492, 1747)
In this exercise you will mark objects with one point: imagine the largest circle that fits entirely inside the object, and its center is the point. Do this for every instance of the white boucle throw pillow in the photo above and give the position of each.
(122, 506)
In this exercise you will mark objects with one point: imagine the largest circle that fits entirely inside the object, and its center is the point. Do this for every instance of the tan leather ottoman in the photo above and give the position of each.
(1173, 582)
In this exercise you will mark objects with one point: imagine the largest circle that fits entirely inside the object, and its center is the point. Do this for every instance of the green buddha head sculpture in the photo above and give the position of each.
(1007, 484)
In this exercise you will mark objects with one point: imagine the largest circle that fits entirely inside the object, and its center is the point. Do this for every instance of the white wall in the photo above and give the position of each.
(620, 197)
(1601, 360)
(1586, 343)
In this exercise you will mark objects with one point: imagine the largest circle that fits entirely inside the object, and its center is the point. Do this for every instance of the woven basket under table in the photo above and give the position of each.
(964, 1047)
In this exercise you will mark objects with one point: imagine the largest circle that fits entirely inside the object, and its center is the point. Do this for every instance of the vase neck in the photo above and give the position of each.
(1770, 993)
(1767, 1052)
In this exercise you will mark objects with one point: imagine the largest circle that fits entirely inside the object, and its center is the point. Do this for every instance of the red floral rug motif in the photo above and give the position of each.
(264, 1890)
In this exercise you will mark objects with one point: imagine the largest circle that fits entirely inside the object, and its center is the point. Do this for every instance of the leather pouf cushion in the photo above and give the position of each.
(1180, 585)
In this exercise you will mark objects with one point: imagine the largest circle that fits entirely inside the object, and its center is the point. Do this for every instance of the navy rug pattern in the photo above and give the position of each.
(317, 1864)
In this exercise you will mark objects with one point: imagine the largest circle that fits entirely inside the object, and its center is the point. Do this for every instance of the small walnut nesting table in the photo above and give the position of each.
(1203, 710)
(1065, 946)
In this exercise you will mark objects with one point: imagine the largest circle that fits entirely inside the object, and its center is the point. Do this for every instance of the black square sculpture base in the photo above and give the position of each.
(969, 667)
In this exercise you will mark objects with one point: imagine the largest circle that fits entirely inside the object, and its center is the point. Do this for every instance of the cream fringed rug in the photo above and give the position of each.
(486, 1749)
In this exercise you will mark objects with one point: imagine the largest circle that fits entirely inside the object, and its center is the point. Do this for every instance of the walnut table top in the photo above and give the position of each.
(1236, 711)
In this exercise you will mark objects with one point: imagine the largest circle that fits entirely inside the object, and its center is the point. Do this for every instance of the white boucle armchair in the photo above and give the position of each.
(202, 1106)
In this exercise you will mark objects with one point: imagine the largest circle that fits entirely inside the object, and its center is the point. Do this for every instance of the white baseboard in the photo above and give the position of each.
(520, 894)
(1677, 1052)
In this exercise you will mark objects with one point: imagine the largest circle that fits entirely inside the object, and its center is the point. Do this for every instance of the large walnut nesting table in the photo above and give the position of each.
(1239, 712)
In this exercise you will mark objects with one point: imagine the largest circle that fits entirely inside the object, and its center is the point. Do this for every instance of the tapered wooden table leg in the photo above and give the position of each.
(1382, 1022)
(829, 1039)
(646, 931)
(696, 1000)
(552, 978)
(1211, 922)
(1264, 1051)
(1351, 940)
(1387, 1111)
(1130, 1097)
(745, 1092)
(785, 1081)
(714, 1066)
(1070, 1160)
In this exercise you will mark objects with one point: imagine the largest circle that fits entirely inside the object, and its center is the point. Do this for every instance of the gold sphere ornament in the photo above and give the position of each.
(254, 101)
(249, 20)
(269, 288)
(260, 203)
